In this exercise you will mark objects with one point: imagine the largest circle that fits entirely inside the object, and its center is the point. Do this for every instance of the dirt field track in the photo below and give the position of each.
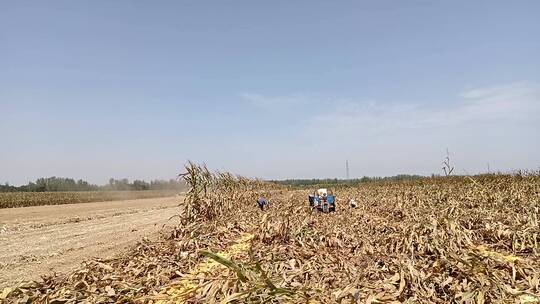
(40, 240)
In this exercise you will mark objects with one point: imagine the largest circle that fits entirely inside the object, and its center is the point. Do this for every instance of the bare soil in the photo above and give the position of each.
(36, 241)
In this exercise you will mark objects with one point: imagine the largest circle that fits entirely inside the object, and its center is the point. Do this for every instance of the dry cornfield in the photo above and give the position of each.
(442, 240)
(27, 199)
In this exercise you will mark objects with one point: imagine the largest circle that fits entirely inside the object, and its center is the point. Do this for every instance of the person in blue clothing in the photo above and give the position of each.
(262, 202)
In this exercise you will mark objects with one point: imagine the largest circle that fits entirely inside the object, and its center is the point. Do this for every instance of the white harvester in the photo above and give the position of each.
(323, 200)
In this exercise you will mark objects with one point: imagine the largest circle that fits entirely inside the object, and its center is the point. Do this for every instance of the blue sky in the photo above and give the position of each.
(273, 89)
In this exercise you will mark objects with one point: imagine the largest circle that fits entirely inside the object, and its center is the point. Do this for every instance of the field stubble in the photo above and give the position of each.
(431, 241)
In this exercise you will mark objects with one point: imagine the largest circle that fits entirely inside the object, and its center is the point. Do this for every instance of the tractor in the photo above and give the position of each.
(323, 200)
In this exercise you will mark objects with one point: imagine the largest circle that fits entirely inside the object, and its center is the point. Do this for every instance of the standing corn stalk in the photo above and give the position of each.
(212, 195)
(447, 167)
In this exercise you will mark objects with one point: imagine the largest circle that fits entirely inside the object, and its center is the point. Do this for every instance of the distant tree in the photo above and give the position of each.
(54, 183)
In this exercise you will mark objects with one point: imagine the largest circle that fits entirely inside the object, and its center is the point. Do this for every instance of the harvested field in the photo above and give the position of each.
(441, 240)
(40, 240)
(26, 199)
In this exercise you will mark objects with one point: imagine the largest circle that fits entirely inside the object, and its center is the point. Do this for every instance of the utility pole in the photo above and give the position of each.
(347, 168)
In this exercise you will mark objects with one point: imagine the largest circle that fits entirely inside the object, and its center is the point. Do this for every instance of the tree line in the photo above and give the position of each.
(354, 181)
(51, 184)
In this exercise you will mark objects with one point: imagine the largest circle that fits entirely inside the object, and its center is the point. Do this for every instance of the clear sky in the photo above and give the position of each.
(273, 89)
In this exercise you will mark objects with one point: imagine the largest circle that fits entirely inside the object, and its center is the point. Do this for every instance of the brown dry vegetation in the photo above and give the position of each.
(432, 241)
(26, 199)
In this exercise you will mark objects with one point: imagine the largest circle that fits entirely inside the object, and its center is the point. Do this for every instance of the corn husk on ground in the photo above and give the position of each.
(446, 240)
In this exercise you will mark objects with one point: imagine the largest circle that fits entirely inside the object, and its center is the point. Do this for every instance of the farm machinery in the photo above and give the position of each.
(323, 200)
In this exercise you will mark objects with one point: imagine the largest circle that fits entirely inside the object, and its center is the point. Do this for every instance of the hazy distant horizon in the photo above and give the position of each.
(93, 90)
(441, 173)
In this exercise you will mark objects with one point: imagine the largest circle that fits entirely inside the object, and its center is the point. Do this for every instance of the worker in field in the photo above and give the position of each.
(262, 203)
